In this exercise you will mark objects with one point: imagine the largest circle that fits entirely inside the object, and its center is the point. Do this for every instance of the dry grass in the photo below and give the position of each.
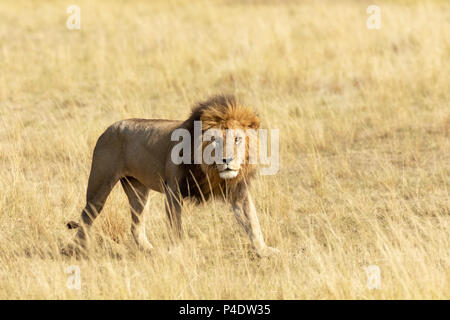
(365, 163)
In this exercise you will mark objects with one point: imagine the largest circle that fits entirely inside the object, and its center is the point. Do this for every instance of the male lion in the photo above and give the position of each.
(137, 152)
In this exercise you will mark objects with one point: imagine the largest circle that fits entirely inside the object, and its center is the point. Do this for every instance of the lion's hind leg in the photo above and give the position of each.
(137, 195)
(102, 180)
(98, 192)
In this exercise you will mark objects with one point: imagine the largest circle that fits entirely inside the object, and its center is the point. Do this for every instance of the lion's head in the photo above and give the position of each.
(229, 136)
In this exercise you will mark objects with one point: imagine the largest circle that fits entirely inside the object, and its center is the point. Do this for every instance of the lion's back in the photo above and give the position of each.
(139, 146)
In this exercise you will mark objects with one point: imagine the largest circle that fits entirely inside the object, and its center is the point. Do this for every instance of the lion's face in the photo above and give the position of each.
(224, 152)
(227, 129)
(227, 152)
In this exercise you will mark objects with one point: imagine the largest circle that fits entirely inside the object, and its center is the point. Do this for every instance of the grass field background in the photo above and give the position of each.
(364, 121)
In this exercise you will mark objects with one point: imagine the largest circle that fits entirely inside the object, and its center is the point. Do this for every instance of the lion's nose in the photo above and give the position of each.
(227, 160)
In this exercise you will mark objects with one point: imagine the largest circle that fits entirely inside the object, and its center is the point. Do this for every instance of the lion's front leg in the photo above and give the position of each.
(245, 213)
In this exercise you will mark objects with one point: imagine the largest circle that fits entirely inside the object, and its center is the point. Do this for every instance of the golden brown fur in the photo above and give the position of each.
(137, 152)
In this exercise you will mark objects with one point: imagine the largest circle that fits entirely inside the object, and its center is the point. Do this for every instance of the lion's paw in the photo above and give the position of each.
(268, 252)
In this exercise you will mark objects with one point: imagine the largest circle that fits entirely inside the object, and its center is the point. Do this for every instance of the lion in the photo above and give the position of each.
(137, 152)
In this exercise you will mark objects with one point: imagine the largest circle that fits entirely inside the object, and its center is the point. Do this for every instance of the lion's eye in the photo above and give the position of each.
(213, 139)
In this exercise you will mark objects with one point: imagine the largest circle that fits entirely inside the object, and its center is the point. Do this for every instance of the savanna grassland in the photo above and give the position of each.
(364, 121)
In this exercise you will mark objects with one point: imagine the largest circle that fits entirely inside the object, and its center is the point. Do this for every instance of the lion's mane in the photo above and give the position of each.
(220, 112)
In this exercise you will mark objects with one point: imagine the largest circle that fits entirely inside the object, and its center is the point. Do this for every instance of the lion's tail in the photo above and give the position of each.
(72, 225)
